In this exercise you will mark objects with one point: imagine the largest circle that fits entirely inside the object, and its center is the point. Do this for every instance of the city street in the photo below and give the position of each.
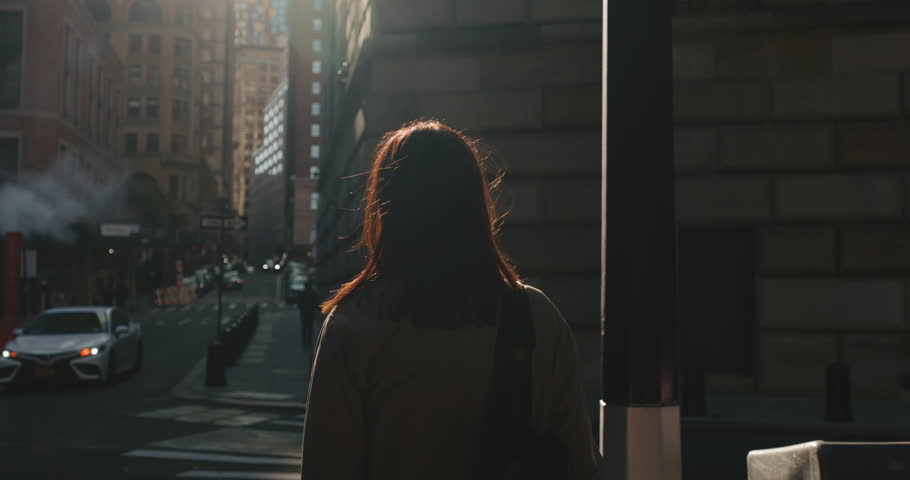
(135, 428)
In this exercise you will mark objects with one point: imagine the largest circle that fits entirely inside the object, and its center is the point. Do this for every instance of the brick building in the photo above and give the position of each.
(307, 67)
(176, 55)
(62, 100)
(791, 153)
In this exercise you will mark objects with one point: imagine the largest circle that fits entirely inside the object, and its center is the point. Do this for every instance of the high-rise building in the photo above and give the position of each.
(176, 55)
(307, 67)
(259, 70)
(260, 23)
(269, 209)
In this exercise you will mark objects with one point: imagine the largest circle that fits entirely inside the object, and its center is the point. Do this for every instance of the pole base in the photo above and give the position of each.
(214, 366)
(640, 443)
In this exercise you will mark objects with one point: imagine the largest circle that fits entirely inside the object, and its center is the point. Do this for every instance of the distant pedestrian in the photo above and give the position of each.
(435, 361)
(307, 303)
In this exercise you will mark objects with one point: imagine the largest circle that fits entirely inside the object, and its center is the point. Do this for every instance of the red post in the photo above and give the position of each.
(12, 260)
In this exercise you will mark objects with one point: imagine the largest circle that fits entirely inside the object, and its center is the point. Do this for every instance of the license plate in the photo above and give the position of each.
(44, 372)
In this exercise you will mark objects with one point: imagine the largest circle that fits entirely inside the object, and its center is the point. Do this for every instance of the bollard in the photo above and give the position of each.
(837, 394)
(214, 366)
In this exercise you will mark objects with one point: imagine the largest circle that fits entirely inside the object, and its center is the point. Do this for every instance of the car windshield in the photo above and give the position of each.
(64, 322)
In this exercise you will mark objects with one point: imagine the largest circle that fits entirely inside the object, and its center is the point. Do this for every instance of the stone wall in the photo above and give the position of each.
(794, 123)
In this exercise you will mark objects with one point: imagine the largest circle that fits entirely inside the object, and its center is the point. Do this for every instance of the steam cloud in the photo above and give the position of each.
(47, 203)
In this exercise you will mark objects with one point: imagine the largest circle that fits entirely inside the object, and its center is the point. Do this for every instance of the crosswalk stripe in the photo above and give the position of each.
(243, 475)
(211, 457)
(288, 423)
(184, 321)
(159, 323)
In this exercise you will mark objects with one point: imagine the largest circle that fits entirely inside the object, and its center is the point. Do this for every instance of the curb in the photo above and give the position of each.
(707, 424)
(187, 389)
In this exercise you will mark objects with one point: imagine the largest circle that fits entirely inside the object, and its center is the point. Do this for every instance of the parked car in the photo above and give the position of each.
(231, 280)
(73, 344)
(271, 266)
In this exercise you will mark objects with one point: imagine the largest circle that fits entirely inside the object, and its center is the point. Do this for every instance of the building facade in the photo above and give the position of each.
(176, 55)
(306, 118)
(269, 206)
(62, 101)
(791, 188)
(260, 23)
(259, 71)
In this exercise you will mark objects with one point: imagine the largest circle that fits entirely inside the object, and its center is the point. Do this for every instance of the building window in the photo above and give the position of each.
(314, 201)
(145, 11)
(135, 44)
(154, 76)
(154, 45)
(133, 107)
(317, 45)
(314, 151)
(317, 66)
(152, 143)
(317, 24)
(206, 13)
(179, 109)
(180, 15)
(173, 186)
(182, 47)
(130, 143)
(9, 159)
(314, 173)
(206, 54)
(151, 107)
(178, 143)
(10, 58)
(134, 74)
(317, 5)
(314, 130)
(317, 88)
(181, 78)
(316, 109)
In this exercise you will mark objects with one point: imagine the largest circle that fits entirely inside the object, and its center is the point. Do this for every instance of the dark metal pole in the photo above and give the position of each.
(640, 435)
(214, 373)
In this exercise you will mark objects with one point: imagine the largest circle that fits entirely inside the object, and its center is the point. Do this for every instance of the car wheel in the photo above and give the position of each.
(111, 368)
(137, 364)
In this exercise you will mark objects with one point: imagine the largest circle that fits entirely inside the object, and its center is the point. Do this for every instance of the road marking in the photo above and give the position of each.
(245, 420)
(210, 415)
(232, 306)
(186, 308)
(243, 475)
(260, 395)
(211, 457)
(289, 423)
(204, 322)
(173, 412)
(184, 321)
(159, 323)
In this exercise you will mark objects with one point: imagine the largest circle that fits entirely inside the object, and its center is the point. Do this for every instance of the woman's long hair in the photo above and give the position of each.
(430, 224)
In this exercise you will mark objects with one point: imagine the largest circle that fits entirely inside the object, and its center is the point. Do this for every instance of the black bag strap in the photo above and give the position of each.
(509, 406)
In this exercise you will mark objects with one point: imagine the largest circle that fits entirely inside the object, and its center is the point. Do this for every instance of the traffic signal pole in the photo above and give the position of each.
(214, 372)
(640, 417)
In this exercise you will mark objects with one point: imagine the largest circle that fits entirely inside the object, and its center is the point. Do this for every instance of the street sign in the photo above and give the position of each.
(212, 222)
(118, 229)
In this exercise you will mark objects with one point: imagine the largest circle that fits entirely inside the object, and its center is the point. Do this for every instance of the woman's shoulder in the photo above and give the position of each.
(547, 318)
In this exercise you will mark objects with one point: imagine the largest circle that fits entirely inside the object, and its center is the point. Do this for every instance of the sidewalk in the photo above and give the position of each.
(273, 371)
(743, 412)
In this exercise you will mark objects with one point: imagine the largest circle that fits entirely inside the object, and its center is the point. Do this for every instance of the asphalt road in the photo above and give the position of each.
(133, 428)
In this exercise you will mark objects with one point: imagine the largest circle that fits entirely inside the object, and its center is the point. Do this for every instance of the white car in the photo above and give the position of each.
(73, 344)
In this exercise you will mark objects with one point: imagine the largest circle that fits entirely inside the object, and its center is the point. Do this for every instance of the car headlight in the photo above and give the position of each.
(86, 352)
(277, 267)
(8, 354)
(265, 266)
